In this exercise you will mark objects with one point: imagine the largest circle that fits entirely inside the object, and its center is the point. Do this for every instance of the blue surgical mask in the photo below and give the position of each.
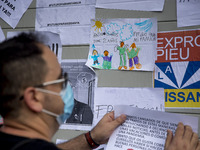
(68, 99)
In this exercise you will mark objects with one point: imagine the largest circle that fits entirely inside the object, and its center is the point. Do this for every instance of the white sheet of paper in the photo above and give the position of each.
(138, 52)
(52, 40)
(83, 81)
(146, 128)
(63, 3)
(144, 5)
(2, 36)
(60, 141)
(188, 13)
(12, 10)
(72, 22)
(106, 97)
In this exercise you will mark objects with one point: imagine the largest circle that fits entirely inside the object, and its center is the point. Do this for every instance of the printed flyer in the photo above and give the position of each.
(177, 68)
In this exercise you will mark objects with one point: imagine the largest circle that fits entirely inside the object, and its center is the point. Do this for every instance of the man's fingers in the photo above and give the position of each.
(198, 146)
(179, 131)
(168, 139)
(188, 133)
(194, 140)
(119, 120)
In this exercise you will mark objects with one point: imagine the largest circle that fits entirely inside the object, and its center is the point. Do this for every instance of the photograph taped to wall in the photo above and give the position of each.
(83, 81)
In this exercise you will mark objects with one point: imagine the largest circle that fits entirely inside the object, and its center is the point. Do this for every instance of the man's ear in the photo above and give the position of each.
(33, 99)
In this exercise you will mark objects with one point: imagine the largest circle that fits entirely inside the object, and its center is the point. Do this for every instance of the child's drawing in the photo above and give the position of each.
(123, 44)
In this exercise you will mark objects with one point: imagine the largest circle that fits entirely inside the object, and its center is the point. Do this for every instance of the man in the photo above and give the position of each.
(31, 79)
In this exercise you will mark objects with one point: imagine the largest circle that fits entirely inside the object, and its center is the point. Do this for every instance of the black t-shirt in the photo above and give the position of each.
(8, 142)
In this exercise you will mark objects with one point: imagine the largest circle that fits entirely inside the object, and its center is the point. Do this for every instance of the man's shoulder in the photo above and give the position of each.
(12, 142)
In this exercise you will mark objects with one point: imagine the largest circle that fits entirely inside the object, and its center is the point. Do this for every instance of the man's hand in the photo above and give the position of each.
(184, 139)
(103, 130)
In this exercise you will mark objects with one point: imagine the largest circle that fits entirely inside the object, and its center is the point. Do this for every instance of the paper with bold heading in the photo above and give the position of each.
(177, 68)
(63, 3)
(2, 36)
(106, 97)
(144, 5)
(52, 40)
(146, 129)
(123, 44)
(12, 10)
(188, 13)
(72, 23)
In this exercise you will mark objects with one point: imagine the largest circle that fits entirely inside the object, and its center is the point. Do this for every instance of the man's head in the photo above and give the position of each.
(21, 66)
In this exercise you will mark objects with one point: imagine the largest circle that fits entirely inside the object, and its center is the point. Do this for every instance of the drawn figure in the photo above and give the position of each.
(107, 60)
(133, 57)
(122, 55)
(95, 56)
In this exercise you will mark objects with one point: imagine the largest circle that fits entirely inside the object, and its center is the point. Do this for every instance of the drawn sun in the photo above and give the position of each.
(98, 24)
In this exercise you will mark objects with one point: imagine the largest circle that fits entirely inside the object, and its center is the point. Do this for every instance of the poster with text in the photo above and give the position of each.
(11, 11)
(123, 44)
(177, 68)
(72, 22)
(144, 5)
(106, 97)
(188, 12)
(146, 129)
(63, 3)
(83, 81)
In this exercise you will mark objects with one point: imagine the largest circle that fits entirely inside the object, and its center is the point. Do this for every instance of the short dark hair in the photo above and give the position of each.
(21, 66)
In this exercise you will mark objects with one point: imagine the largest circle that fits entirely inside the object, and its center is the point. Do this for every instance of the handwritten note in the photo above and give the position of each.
(11, 11)
(146, 129)
(188, 12)
(146, 98)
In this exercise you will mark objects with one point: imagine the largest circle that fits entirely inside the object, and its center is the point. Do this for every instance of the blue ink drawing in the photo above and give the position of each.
(145, 25)
(125, 32)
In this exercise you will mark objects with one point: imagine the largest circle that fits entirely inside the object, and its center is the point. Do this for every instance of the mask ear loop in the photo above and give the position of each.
(47, 91)
(50, 113)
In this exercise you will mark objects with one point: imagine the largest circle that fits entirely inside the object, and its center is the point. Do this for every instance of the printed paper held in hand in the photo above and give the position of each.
(146, 129)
